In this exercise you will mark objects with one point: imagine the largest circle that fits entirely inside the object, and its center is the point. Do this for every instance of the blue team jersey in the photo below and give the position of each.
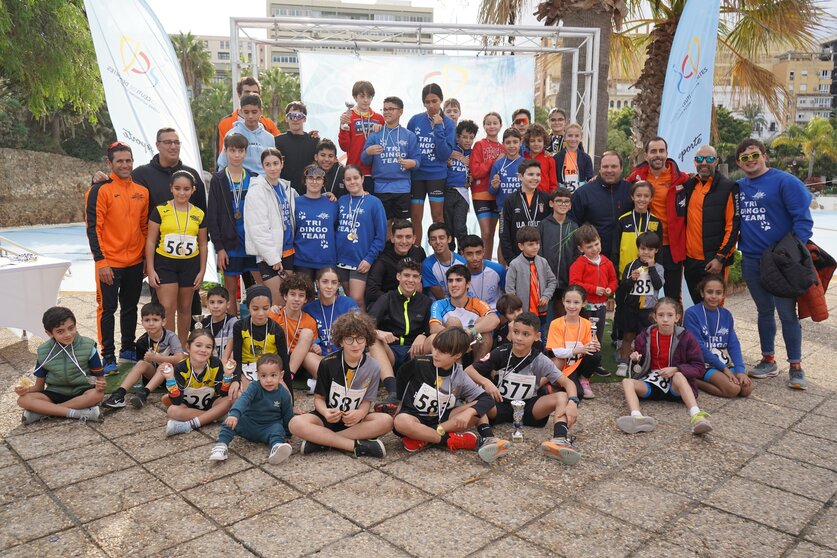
(325, 315)
(433, 272)
(316, 228)
(509, 179)
(490, 284)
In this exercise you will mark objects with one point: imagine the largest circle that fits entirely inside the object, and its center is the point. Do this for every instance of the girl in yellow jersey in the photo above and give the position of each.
(175, 251)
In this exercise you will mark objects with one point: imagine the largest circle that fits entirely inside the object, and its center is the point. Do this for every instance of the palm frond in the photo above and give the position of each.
(627, 54)
(500, 12)
(751, 82)
(754, 26)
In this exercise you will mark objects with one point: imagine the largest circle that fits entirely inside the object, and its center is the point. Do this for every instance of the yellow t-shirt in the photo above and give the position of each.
(178, 230)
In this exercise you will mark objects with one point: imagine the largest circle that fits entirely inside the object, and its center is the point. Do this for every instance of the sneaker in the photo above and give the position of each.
(91, 414)
(370, 448)
(797, 379)
(30, 417)
(115, 401)
(219, 452)
(585, 387)
(312, 383)
(279, 453)
(622, 370)
(307, 448)
(493, 448)
(764, 369)
(631, 425)
(700, 423)
(166, 400)
(177, 427)
(462, 441)
(561, 449)
(388, 405)
(128, 355)
(138, 399)
(110, 367)
(602, 371)
(412, 445)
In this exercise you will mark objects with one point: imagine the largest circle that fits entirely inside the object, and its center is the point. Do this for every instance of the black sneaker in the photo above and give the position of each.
(307, 448)
(138, 399)
(115, 401)
(601, 371)
(370, 448)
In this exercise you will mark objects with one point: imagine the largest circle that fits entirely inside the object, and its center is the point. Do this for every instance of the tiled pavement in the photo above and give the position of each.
(762, 484)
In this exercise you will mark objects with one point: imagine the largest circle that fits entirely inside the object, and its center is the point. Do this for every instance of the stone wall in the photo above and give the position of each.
(42, 188)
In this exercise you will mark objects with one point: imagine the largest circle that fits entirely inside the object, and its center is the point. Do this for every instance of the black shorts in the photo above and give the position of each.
(485, 208)
(309, 271)
(632, 320)
(431, 422)
(656, 394)
(369, 184)
(333, 426)
(60, 398)
(238, 265)
(267, 272)
(345, 274)
(396, 206)
(171, 270)
(433, 189)
(505, 413)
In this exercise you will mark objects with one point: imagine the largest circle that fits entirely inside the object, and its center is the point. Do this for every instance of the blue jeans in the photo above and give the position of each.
(766, 305)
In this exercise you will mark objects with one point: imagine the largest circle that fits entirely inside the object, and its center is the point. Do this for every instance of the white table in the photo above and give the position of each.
(27, 290)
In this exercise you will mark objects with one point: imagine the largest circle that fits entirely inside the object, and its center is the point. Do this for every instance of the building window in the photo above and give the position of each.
(225, 45)
(285, 59)
(823, 74)
(772, 127)
(804, 73)
(803, 87)
(223, 56)
(611, 103)
(790, 76)
(823, 88)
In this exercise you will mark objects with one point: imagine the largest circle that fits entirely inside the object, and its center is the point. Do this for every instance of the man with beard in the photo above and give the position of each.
(669, 204)
(712, 221)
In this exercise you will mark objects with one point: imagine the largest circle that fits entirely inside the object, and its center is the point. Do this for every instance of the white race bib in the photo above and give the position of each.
(654, 377)
(643, 285)
(199, 398)
(572, 345)
(249, 371)
(427, 401)
(181, 245)
(344, 400)
(722, 355)
(518, 386)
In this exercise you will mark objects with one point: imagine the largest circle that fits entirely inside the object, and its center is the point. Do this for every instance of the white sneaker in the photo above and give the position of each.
(177, 427)
(30, 417)
(91, 414)
(312, 383)
(279, 453)
(219, 452)
(622, 370)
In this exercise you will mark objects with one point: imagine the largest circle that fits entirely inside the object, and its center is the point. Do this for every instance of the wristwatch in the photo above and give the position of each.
(575, 400)
(440, 431)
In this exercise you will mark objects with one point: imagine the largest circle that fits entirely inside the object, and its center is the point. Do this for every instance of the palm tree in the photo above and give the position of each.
(207, 111)
(278, 89)
(818, 137)
(754, 116)
(194, 60)
(746, 29)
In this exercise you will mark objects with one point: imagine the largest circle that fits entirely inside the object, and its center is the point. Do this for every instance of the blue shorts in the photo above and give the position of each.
(709, 373)
(401, 353)
(654, 393)
(238, 265)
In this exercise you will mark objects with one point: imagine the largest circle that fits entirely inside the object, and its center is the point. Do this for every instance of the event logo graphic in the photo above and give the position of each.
(134, 59)
(690, 64)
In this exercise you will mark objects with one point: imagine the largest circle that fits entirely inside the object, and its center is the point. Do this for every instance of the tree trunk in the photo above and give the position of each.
(593, 17)
(811, 163)
(652, 80)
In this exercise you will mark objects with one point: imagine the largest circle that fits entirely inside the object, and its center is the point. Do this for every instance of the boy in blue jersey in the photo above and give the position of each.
(258, 138)
(434, 267)
(315, 241)
(488, 278)
(504, 179)
(457, 199)
(392, 152)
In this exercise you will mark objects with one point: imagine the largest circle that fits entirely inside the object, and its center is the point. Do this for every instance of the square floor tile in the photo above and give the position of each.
(308, 473)
(213, 544)
(239, 496)
(819, 426)
(7, 458)
(17, 482)
(192, 467)
(350, 497)
(808, 550)
(640, 503)
(153, 444)
(664, 549)
(824, 530)
(503, 500)
(435, 470)
(437, 529)
(67, 467)
(29, 519)
(816, 451)
(715, 533)
(793, 476)
(121, 422)
(71, 542)
(362, 545)
(302, 525)
(512, 546)
(46, 441)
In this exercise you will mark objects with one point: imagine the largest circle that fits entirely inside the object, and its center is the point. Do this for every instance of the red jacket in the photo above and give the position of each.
(813, 303)
(588, 275)
(352, 140)
(675, 207)
(549, 178)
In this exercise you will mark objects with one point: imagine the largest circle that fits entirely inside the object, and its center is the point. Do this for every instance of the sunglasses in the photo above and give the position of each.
(705, 159)
(521, 121)
(118, 143)
(170, 142)
(747, 157)
(295, 116)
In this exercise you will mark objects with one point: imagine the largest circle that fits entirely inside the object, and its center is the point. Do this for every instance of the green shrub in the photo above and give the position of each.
(735, 277)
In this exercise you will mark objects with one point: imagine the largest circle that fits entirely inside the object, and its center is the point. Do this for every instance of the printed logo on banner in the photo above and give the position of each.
(135, 60)
(692, 59)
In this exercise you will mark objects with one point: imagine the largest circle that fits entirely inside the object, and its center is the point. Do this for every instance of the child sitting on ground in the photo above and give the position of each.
(261, 414)
(156, 346)
(517, 371)
(197, 386)
(670, 363)
(347, 386)
(713, 327)
(69, 376)
(575, 351)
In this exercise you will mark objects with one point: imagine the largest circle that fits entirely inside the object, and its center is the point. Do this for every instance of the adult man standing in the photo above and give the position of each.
(773, 203)
(601, 201)
(116, 212)
(156, 175)
(712, 221)
(669, 204)
(245, 86)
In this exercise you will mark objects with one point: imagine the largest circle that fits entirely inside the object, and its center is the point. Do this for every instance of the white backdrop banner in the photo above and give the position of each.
(686, 110)
(481, 84)
(144, 86)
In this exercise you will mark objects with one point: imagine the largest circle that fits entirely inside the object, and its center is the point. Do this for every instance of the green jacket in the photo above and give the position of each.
(59, 371)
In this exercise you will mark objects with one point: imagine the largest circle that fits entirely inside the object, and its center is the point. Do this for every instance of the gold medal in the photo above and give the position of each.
(181, 251)
(237, 215)
(440, 431)
(351, 236)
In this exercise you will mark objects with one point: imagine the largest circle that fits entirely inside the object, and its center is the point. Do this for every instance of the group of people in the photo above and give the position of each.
(455, 338)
